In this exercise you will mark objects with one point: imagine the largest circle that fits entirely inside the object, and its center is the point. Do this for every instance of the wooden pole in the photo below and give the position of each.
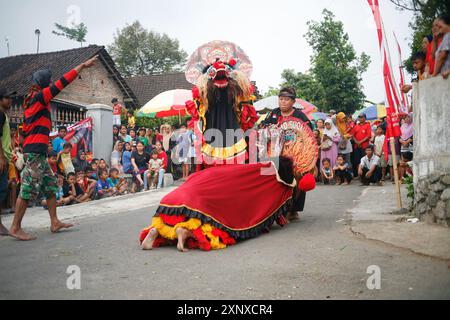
(395, 166)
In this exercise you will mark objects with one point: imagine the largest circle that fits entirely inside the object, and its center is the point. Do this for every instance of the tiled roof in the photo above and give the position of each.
(16, 71)
(149, 86)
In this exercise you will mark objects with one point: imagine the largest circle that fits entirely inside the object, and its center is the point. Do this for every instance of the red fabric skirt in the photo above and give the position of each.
(242, 200)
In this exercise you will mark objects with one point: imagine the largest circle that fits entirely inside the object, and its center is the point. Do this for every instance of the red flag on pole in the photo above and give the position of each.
(392, 96)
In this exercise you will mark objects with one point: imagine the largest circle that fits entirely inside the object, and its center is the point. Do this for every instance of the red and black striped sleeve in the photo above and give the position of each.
(47, 94)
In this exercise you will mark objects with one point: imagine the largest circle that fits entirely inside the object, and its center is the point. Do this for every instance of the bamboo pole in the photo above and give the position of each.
(394, 165)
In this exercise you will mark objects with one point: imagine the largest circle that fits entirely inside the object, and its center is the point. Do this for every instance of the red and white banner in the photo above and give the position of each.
(392, 92)
(405, 103)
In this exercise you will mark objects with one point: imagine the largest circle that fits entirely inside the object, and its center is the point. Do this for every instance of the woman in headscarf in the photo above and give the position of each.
(80, 162)
(116, 157)
(345, 147)
(329, 147)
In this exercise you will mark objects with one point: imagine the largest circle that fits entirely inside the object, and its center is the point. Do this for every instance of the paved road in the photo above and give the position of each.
(317, 258)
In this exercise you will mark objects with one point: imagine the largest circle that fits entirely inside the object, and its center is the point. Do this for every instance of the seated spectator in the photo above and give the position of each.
(116, 157)
(123, 134)
(92, 171)
(406, 166)
(86, 184)
(133, 136)
(104, 190)
(60, 199)
(126, 159)
(142, 138)
(326, 171)
(65, 160)
(370, 170)
(139, 160)
(153, 171)
(407, 137)
(342, 171)
(80, 163)
(391, 158)
(71, 189)
(102, 165)
(118, 184)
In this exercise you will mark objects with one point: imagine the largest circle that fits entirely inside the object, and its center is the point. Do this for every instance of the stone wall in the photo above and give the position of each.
(432, 150)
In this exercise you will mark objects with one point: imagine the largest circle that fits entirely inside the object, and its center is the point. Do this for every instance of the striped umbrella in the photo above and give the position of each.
(167, 104)
(372, 112)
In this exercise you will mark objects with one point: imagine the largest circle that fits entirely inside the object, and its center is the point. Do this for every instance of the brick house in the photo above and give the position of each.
(98, 84)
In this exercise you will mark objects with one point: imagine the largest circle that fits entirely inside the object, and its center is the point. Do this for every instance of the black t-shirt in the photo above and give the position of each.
(67, 188)
(141, 159)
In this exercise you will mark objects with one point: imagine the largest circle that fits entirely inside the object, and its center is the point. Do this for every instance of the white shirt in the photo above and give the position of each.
(374, 161)
(379, 144)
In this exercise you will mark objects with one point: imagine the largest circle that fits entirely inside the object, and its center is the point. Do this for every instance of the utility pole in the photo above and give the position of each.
(37, 32)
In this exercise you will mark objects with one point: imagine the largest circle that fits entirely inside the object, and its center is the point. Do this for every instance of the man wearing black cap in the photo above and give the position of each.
(286, 109)
(5, 149)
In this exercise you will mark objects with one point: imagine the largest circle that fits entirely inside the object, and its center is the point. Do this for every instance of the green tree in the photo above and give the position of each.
(336, 70)
(424, 14)
(78, 32)
(306, 85)
(138, 51)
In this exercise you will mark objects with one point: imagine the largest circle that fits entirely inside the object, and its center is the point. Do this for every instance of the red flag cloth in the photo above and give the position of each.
(242, 200)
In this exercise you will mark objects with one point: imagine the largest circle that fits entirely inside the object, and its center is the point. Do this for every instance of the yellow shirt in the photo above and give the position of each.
(131, 122)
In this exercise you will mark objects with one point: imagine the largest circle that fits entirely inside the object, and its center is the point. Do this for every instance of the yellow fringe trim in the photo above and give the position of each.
(215, 241)
(171, 232)
(225, 153)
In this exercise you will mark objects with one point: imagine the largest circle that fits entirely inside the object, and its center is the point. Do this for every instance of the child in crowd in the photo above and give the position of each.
(71, 189)
(153, 169)
(378, 142)
(126, 159)
(342, 171)
(53, 161)
(326, 171)
(406, 166)
(102, 165)
(118, 184)
(104, 190)
(86, 184)
(65, 160)
(60, 199)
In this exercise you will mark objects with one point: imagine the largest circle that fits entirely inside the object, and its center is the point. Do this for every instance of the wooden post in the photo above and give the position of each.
(394, 165)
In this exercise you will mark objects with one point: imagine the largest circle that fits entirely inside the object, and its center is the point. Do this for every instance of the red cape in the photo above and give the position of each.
(238, 199)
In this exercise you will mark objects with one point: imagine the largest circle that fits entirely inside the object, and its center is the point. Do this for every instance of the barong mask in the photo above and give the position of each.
(220, 72)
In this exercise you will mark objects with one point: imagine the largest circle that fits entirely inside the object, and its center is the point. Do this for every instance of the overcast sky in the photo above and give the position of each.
(270, 32)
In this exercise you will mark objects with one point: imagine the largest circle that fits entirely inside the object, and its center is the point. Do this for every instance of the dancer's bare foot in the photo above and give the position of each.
(293, 216)
(21, 235)
(183, 235)
(147, 244)
(3, 230)
(58, 226)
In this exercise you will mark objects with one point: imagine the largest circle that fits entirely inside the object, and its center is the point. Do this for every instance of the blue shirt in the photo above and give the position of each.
(126, 161)
(102, 185)
(112, 183)
(58, 144)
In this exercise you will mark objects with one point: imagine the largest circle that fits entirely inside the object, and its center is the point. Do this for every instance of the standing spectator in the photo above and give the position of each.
(166, 133)
(320, 126)
(163, 156)
(369, 169)
(139, 160)
(443, 51)
(378, 143)
(126, 159)
(419, 65)
(133, 136)
(342, 171)
(150, 139)
(131, 120)
(123, 134)
(65, 160)
(362, 133)
(330, 140)
(117, 112)
(5, 150)
(183, 144)
(427, 48)
(345, 147)
(53, 161)
(59, 141)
